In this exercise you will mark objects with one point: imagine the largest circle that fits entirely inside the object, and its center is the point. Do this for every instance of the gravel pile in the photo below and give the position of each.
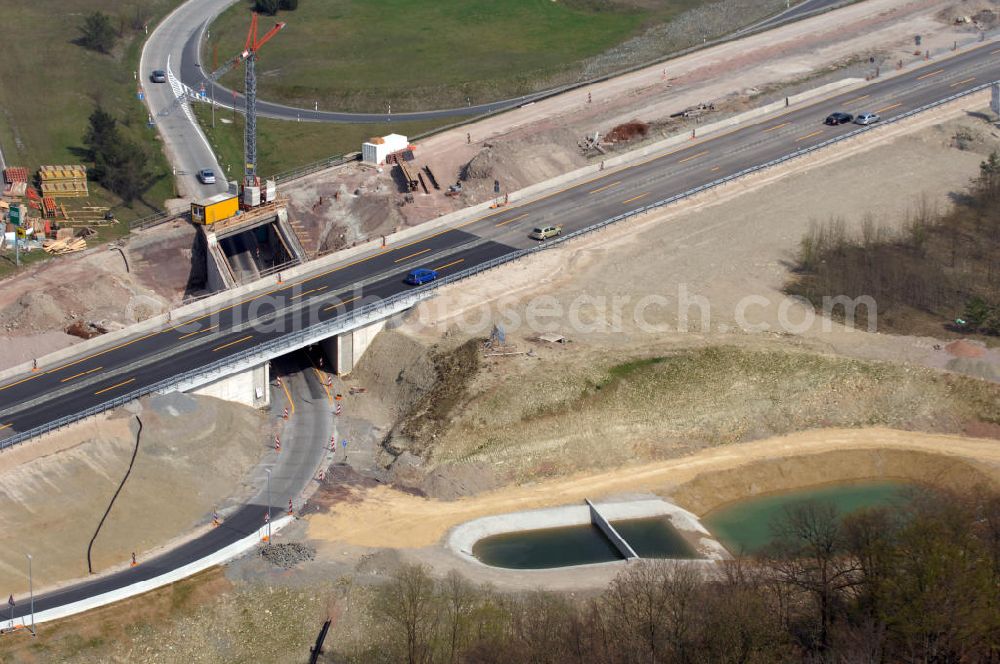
(287, 555)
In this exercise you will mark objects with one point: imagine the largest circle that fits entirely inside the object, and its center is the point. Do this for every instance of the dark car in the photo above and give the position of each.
(158, 76)
(420, 276)
(838, 118)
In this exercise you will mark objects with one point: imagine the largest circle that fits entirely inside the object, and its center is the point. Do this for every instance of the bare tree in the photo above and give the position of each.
(408, 603)
(808, 555)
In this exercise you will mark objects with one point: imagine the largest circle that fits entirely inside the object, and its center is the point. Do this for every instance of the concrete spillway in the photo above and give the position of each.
(609, 531)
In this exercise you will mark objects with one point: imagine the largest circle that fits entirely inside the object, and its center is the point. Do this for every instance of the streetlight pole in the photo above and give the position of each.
(31, 593)
(268, 507)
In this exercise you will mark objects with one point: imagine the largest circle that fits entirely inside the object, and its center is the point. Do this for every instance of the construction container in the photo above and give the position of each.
(251, 197)
(378, 148)
(270, 191)
(217, 208)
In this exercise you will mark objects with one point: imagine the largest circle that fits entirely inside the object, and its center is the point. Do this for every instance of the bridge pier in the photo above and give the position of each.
(344, 351)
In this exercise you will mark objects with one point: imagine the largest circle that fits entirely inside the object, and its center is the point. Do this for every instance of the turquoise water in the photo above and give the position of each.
(581, 545)
(745, 526)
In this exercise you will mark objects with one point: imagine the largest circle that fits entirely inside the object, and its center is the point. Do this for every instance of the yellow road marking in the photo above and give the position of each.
(288, 395)
(340, 304)
(304, 293)
(232, 343)
(23, 380)
(694, 156)
(968, 80)
(607, 186)
(124, 382)
(6, 426)
(929, 74)
(635, 198)
(82, 373)
(504, 223)
(888, 108)
(191, 334)
(460, 260)
(815, 133)
(322, 381)
(400, 260)
(777, 126)
(851, 101)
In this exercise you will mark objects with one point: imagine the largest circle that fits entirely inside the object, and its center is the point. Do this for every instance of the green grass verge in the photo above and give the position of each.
(49, 86)
(363, 55)
(283, 146)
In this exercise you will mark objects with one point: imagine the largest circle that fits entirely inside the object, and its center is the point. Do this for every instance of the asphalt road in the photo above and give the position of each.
(75, 385)
(305, 443)
(185, 143)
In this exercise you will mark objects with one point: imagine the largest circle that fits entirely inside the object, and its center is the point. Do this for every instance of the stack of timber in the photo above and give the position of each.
(63, 181)
(66, 246)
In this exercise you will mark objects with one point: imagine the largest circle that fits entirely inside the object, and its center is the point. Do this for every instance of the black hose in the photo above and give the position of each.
(138, 434)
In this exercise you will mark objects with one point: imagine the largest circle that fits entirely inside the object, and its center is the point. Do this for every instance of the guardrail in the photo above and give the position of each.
(267, 349)
(152, 220)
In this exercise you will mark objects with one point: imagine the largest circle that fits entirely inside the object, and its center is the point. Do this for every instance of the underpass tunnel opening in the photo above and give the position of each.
(256, 252)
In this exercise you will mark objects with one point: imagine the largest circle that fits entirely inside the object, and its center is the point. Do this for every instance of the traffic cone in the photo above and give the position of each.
(133, 563)
(322, 475)
(290, 510)
(277, 443)
(284, 415)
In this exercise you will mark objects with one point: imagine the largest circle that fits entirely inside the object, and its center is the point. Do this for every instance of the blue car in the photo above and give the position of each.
(420, 276)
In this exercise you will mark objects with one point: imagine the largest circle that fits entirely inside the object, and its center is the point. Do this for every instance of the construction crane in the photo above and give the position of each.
(247, 57)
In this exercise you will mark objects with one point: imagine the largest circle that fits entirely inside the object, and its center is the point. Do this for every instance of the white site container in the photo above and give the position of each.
(251, 196)
(377, 149)
(270, 191)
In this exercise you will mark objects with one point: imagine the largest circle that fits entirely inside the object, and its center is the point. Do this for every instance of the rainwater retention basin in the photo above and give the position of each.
(745, 525)
(582, 544)
(587, 534)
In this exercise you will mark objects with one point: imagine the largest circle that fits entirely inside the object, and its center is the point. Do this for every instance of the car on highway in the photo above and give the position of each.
(838, 118)
(206, 176)
(420, 276)
(158, 76)
(545, 232)
(866, 118)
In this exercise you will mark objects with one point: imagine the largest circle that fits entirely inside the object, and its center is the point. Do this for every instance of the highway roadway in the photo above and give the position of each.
(305, 443)
(73, 386)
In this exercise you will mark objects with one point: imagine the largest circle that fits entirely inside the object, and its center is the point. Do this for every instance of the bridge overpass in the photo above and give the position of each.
(202, 344)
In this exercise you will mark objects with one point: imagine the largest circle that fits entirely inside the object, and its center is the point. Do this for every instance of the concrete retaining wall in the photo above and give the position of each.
(249, 387)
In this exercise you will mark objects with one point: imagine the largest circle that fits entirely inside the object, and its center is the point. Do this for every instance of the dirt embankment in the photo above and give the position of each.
(390, 518)
(561, 411)
(194, 454)
(100, 289)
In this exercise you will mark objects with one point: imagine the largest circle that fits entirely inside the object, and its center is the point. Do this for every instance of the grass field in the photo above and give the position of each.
(283, 146)
(49, 86)
(363, 55)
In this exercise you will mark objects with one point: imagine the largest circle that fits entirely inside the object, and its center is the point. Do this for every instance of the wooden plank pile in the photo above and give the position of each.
(70, 180)
(66, 246)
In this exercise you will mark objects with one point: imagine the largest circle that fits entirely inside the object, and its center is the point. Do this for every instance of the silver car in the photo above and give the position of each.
(206, 176)
(866, 118)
